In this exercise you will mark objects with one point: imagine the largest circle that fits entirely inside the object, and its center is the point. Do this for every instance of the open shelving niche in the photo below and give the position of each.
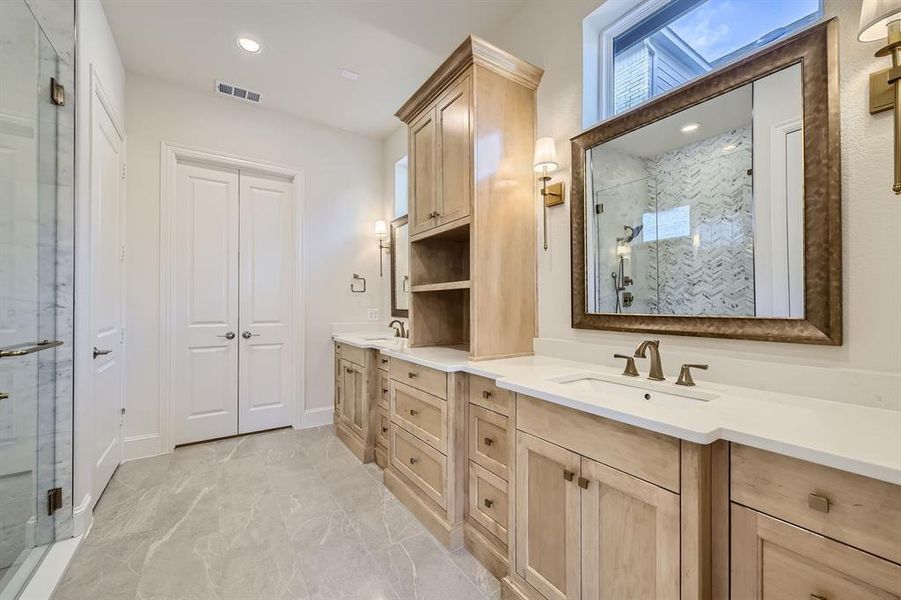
(440, 275)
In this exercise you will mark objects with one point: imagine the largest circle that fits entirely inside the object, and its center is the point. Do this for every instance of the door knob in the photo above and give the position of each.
(229, 335)
(101, 352)
(247, 335)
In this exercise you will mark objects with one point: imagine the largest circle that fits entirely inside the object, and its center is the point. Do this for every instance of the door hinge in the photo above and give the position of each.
(122, 416)
(599, 208)
(54, 500)
(122, 254)
(122, 336)
(123, 170)
(57, 92)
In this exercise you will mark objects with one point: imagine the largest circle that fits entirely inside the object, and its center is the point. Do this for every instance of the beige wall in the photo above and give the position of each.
(867, 369)
(343, 198)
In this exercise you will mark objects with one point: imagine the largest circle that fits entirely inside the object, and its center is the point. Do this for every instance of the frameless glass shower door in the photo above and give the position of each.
(28, 263)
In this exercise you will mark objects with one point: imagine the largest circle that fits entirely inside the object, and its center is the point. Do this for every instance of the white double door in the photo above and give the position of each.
(233, 303)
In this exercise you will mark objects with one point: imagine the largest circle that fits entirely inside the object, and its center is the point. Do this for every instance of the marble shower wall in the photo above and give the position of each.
(711, 270)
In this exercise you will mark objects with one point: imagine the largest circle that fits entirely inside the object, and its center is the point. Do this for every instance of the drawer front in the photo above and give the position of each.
(352, 354)
(381, 434)
(773, 560)
(488, 501)
(859, 511)
(384, 391)
(421, 414)
(489, 440)
(484, 393)
(422, 464)
(647, 455)
(383, 362)
(428, 380)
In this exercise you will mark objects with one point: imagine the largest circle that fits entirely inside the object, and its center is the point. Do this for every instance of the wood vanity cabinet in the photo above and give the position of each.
(356, 413)
(472, 222)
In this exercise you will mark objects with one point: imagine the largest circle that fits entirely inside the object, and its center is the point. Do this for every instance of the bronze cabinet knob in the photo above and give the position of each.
(488, 441)
(411, 374)
(413, 412)
(583, 483)
(412, 461)
(818, 502)
(568, 475)
(486, 394)
(488, 503)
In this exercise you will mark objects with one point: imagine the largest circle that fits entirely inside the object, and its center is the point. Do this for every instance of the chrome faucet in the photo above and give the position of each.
(656, 372)
(399, 331)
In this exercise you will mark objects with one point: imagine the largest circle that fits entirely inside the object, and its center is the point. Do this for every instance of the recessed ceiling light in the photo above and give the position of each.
(249, 45)
(348, 74)
(689, 127)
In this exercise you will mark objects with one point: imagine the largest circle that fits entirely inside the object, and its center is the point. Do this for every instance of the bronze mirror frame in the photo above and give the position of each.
(403, 313)
(817, 50)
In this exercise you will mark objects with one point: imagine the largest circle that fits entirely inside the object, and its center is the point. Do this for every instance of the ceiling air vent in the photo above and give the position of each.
(234, 91)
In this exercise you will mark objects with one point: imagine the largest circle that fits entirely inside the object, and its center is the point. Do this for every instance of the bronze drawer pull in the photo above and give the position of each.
(568, 475)
(411, 374)
(817, 597)
(583, 483)
(384, 430)
(412, 461)
(486, 394)
(348, 371)
(384, 390)
(413, 412)
(818, 503)
(488, 441)
(488, 503)
(384, 361)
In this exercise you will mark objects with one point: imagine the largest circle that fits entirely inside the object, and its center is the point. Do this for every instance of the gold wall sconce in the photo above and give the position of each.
(882, 19)
(546, 162)
(381, 232)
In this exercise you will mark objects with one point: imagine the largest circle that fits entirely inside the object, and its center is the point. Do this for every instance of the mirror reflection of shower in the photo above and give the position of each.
(621, 281)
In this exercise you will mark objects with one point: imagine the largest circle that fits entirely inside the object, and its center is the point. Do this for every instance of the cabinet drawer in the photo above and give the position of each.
(419, 413)
(488, 501)
(384, 391)
(489, 440)
(352, 354)
(424, 466)
(773, 560)
(381, 434)
(647, 455)
(485, 393)
(856, 510)
(383, 362)
(423, 378)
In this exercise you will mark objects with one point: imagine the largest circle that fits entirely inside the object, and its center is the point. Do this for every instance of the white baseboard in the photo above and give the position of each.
(141, 446)
(83, 515)
(51, 570)
(316, 417)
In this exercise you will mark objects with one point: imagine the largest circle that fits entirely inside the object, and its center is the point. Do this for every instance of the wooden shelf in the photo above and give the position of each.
(441, 287)
(455, 230)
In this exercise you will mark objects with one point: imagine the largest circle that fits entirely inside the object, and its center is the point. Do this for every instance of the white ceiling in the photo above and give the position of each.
(393, 44)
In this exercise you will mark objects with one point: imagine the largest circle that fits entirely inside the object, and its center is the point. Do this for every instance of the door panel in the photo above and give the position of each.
(548, 519)
(106, 295)
(423, 182)
(630, 536)
(205, 303)
(267, 303)
(454, 154)
(348, 392)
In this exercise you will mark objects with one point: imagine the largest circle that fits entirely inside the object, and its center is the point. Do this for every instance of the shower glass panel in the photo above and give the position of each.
(28, 252)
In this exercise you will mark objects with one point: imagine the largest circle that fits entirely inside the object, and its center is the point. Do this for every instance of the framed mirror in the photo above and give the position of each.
(400, 267)
(715, 210)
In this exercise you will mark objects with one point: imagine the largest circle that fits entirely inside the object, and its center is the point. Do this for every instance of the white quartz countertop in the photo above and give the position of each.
(858, 439)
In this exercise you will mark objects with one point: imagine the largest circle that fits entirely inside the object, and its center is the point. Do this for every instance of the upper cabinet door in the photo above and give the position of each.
(548, 518)
(630, 536)
(423, 173)
(455, 151)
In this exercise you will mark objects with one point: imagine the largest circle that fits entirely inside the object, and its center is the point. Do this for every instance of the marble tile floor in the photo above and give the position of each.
(271, 516)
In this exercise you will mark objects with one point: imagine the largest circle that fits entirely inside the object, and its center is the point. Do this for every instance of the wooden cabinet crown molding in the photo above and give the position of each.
(473, 50)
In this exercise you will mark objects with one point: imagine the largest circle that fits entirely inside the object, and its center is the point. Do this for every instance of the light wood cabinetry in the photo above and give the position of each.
(472, 253)
(356, 397)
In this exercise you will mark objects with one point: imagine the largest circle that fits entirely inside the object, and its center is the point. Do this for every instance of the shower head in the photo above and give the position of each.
(631, 232)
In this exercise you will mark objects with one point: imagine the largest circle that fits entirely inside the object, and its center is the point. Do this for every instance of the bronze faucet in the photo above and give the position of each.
(399, 331)
(656, 372)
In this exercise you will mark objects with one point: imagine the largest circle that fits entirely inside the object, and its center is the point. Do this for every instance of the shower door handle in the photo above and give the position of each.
(28, 348)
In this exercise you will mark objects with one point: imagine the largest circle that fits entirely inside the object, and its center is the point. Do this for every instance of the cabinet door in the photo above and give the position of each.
(348, 391)
(423, 177)
(548, 517)
(773, 560)
(359, 400)
(455, 150)
(630, 536)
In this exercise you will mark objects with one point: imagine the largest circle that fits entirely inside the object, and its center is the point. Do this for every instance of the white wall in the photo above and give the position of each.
(394, 148)
(96, 50)
(343, 198)
(867, 368)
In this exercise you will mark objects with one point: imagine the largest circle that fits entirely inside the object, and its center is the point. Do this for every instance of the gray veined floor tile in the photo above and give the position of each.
(283, 515)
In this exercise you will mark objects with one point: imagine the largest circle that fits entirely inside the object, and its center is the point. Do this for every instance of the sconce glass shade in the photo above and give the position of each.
(381, 229)
(545, 154)
(875, 15)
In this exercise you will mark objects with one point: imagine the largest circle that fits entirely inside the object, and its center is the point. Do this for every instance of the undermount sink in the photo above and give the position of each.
(642, 389)
(378, 338)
